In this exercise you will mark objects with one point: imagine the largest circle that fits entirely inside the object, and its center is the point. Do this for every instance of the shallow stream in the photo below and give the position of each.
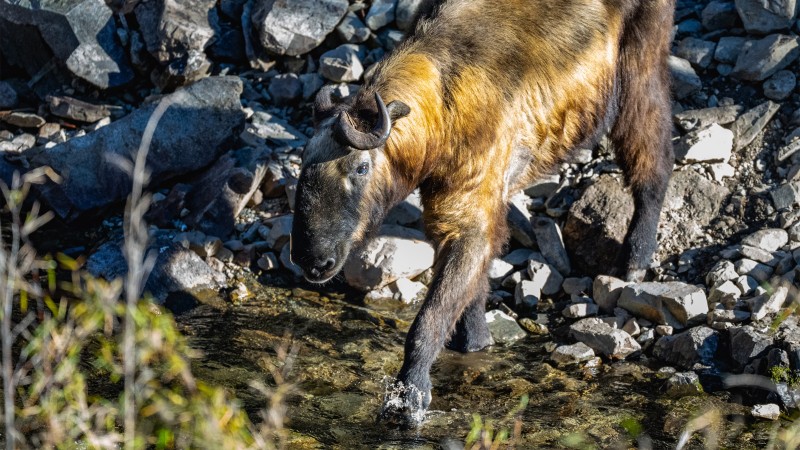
(347, 351)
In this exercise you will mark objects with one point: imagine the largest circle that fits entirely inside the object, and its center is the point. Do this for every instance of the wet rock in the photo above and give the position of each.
(285, 88)
(711, 144)
(191, 134)
(22, 119)
(266, 127)
(176, 269)
(601, 337)
(763, 305)
(342, 64)
(769, 239)
(387, 258)
(719, 15)
(673, 303)
(769, 411)
(8, 96)
(695, 119)
(697, 51)
(729, 48)
(780, 85)
(79, 34)
(748, 344)
(683, 384)
(749, 124)
(503, 328)
(786, 195)
(70, 108)
(296, 27)
(352, 30)
(696, 345)
(760, 59)
(566, 355)
(577, 286)
(176, 33)
(684, 79)
(551, 244)
(381, 13)
(762, 17)
(222, 191)
(545, 277)
(606, 291)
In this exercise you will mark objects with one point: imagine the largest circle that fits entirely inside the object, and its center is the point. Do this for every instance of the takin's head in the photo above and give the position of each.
(345, 185)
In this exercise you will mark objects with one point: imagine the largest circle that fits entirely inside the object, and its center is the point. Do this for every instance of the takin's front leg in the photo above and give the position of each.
(472, 332)
(459, 279)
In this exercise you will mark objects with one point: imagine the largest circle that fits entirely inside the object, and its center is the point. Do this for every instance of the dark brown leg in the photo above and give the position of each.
(472, 332)
(641, 133)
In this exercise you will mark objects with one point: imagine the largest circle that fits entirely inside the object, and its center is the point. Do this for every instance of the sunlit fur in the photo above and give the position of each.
(500, 92)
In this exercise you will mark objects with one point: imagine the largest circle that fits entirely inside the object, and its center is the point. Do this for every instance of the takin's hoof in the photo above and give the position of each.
(404, 406)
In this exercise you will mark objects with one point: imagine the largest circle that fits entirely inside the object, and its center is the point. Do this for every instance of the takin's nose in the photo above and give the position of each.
(321, 267)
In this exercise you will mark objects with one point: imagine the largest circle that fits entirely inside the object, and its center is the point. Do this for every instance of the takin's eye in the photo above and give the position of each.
(362, 169)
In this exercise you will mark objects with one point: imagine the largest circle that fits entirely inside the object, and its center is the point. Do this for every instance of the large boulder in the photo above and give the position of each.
(295, 27)
(764, 16)
(79, 34)
(192, 133)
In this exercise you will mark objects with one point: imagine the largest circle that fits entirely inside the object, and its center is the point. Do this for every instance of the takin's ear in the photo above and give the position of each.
(397, 109)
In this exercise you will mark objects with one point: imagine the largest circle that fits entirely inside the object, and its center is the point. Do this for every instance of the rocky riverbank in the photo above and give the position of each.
(80, 81)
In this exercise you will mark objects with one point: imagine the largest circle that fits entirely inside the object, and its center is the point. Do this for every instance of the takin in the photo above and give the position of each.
(481, 99)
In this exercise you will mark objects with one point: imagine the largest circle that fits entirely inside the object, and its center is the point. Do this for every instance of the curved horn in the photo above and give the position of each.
(323, 103)
(365, 141)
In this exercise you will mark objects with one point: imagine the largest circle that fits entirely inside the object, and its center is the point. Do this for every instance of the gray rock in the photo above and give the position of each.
(746, 284)
(285, 89)
(312, 83)
(786, 195)
(780, 85)
(519, 222)
(577, 286)
(764, 16)
(190, 135)
(381, 13)
(341, 64)
(70, 108)
(567, 355)
(696, 345)
(222, 191)
(726, 293)
(176, 33)
(697, 51)
(760, 59)
(719, 15)
(527, 293)
(406, 213)
(8, 96)
(22, 119)
(606, 291)
(521, 256)
(750, 124)
(684, 79)
(408, 11)
(503, 328)
(763, 305)
(757, 270)
(545, 277)
(683, 384)
(551, 244)
(499, 269)
(727, 315)
(176, 269)
(748, 344)
(352, 30)
(768, 239)
(729, 48)
(788, 150)
(78, 34)
(264, 126)
(769, 411)
(721, 272)
(296, 27)
(789, 395)
(611, 342)
(544, 186)
(711, 144)
(759, 255)
(580, 310)
(388, 258)
(672, 303)
(695, 119)
(408, 291)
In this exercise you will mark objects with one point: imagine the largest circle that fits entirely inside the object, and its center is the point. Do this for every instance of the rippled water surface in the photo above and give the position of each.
(348, 350)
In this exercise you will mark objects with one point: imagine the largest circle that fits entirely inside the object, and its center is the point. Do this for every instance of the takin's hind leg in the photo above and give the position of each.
(642, 130)
(472, 332)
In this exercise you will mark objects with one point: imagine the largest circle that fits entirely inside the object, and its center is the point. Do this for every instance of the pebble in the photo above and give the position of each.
(780, 86)
(22, 119)
(551, 244)
(728, 49)
(606, 291)
(381, 13)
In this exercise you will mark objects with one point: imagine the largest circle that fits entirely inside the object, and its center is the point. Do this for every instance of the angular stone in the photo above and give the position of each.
(381, 13)
(579, 310)
(611, 342)
(577, 286)
(768, 239)
(551, 244)
(711, 144)
(296, 27)
(521, 256)
(729, 48)
(719, 15)
(672, 303)
(519, 222)
(760, 59)
(264, 126)
(503, 328)
(545, 277)
(725, 293)
(769, 411)
(749, 124)
(780, 86)
(702, 118)
(684, 79)
(697, 51)
(387, 258)
(766, 304)
(757, 270)
(606, 291)
(70, 108)
(786, 196)
(764, 16)
(408, 291)
(352, 30)
(341, 64)
(409, 11)
(696, 345)
(285, 88)
(527, 293)
(683, 384)
(191, 134)
(727, 315)
(748, 344)
(566, 355)
(499, 269)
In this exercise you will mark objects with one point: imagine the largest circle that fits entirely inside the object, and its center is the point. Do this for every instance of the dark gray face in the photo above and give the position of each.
(339, 199)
